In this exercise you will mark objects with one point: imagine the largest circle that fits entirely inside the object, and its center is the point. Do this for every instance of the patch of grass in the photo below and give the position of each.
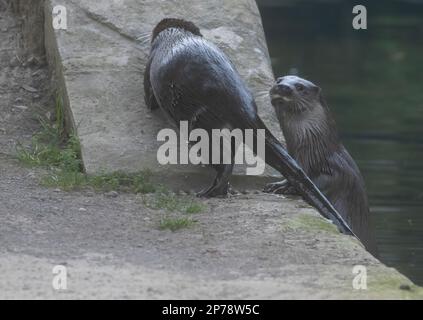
(51, 155)
(171, 202)
(59, 152)
(65, 180)
(51, 147)
(174, 205)
(194, 207)
(138, 182)
(174, 224)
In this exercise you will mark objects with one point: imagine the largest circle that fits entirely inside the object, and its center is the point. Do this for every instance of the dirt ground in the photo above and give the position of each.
(245, 246)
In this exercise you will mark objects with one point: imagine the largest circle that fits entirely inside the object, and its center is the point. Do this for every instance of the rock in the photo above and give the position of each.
(31, 61)
(405, 287)
(29, 88)
(23, 108)
(31, 175)
(14, 62)
(82, 210)
(111, 194)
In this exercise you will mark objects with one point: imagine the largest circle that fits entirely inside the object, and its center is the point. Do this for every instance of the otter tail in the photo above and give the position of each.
(278, 158)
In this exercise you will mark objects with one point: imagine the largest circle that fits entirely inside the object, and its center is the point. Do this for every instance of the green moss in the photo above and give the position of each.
(392, 285)
(309, 222)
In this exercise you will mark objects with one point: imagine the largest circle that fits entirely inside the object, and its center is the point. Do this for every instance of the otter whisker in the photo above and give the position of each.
(143, 37)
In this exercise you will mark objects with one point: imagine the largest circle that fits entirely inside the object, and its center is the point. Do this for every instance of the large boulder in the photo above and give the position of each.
(100, 61)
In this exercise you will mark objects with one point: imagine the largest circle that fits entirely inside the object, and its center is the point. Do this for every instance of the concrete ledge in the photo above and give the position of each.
(99, 63)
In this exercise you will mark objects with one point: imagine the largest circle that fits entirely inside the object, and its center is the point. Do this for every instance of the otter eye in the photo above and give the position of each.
(299, 87)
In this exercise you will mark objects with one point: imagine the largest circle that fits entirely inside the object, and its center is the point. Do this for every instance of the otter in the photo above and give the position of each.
(312, 140)
(192, 80)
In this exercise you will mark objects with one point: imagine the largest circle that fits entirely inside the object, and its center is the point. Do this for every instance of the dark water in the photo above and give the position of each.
(373, 81)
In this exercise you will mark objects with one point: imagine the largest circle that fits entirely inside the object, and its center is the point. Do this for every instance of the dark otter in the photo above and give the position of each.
(312, 139)
(192, 80)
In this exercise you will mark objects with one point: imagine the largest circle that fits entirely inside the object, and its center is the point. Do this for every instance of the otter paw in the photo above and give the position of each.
(272, 187)
(281, 187)
(287, 190)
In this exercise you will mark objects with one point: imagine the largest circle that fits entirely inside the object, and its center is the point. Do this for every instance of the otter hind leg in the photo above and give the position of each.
(281, 187)
(220, 185)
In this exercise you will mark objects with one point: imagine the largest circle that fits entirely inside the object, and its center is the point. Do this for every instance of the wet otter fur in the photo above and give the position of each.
(312, 139)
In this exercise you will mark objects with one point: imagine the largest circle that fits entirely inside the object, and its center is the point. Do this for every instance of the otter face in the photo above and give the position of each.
(291, 93)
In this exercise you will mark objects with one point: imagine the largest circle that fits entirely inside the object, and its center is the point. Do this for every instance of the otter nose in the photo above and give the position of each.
(284, 89)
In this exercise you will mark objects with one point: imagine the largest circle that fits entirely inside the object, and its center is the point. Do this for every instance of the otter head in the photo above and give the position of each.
(292, 94)
(175, 23)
